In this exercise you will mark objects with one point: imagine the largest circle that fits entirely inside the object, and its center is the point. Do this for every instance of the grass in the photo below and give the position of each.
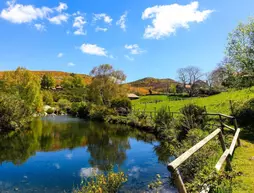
(216, 103)
(243, 162)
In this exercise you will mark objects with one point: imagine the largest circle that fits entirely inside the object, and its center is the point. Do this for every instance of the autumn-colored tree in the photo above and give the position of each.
(47, 81)
(106, 85)
(25, 85)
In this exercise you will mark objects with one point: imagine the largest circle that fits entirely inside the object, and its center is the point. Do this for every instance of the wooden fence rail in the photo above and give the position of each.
(226, 156)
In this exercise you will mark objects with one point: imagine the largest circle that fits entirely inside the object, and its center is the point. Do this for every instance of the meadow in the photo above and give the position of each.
(216, 103)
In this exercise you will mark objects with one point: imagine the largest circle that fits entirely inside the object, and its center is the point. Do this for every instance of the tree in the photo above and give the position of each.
(240, 49)
(73, 81)
(106, 85)
(25, 85)
(47, 81)
(190, 75)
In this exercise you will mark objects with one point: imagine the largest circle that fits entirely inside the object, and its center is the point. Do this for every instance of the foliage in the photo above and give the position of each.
(156, 183)
(79, 109)
(163, 119)
(64, 104)
(14, 112)
(106, 85)
(245, 115)
(25, 85)
(192, 118)
(121, 105)
(47, 97)
(106, 183)
(47, 81)
(71, 94)
(50, 111)
(73, 81)
(98, 112)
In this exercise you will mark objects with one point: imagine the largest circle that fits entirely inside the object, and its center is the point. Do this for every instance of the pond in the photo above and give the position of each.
(57, 152)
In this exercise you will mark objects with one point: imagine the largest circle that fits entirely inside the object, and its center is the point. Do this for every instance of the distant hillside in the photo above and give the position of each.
(58, 75)
(155, 84)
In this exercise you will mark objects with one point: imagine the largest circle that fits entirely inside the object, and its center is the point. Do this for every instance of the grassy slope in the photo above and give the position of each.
(216, 103)
(242, 163)
(219, 103)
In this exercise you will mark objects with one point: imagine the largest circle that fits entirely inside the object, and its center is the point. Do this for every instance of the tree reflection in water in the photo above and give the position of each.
(107, 144)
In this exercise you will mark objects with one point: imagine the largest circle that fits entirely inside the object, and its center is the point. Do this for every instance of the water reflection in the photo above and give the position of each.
(107, 144)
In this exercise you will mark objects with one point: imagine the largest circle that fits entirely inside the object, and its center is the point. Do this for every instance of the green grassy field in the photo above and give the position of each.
(217, 103)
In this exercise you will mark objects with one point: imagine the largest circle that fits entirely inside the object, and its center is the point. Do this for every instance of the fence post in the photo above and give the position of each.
(178, 180)
(236, 127)
(221, 124)
(223, 146)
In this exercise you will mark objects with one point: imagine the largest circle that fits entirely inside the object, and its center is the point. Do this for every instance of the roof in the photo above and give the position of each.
(131, 95)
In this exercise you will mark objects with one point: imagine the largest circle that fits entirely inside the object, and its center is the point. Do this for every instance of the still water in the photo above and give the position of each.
(57, 152)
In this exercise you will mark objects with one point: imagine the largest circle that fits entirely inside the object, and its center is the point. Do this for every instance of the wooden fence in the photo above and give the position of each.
(226, 156)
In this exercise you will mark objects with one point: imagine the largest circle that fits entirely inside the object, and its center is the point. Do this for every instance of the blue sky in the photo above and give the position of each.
(141, 37)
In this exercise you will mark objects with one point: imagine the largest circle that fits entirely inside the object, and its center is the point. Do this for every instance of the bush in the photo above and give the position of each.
(79, 109)
(64, 105)
(47, 97)
(245, 115)
(109, 183)
(122, 105)
(192, 119)
(163, 119)
(14, 113)
(50, 111)
(99, 113)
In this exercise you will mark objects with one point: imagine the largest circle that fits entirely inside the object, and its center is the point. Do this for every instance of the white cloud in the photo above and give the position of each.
(103, 16)
(129, 58)
(166, 19)
(18, 13)
(122, 21)
(88, 172)
(69, 156)
(40, 27)
(101, 29)
(62, 7)
(57, 166)
(93, 49)
(134, 49)
(59, 19)
(71, 64)
(60, 55)
(79, 23)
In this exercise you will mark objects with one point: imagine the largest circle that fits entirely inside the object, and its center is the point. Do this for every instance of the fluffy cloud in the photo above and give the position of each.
(97, 29)
(59, 19)
(102, 16)
(134, 49)
(40, 27)
(129, 58)
(93, 49)
(71, 64)
(122, 21)
(166, 19)
(18, 13)
(61, 7)
(79, 23)
(60, 55)
(89, 172)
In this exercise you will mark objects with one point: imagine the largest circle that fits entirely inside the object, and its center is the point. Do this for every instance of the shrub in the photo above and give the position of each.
(47, 97)
(192, 118)
(109, 183)
(79, 109)
(64, 104)
(50, 111)
(163, 119)
(98, 112)
(122, 105)
(14, 113)
(245, 115)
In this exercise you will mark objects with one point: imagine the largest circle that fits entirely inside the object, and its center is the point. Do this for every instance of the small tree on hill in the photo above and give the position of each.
(47, 81)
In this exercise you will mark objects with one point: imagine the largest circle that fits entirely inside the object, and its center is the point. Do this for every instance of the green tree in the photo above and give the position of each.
(25, 85)
(73, 81)
(106, 85)
(47, 81)
(47, 97)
